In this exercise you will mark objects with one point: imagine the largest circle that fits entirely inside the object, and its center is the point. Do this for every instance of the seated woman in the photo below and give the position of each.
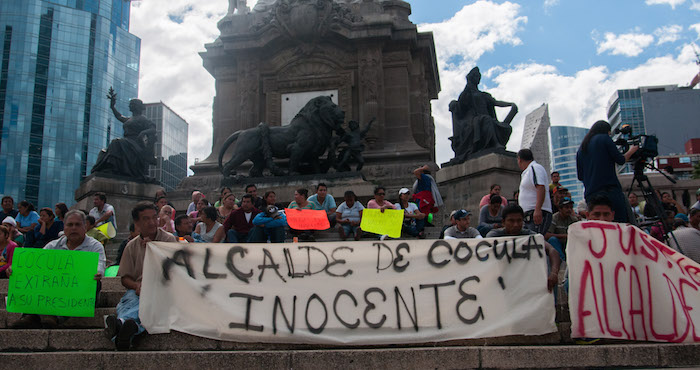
(301, 202)
(413, 219)
(165, 219)
(348, 216)
(196, 215)
(48, 229)
(495, 190)
(27, 219)
(15, 235)
(228, 205)
(7, 247)
(208, 227)
(490, 215)
(60, 209)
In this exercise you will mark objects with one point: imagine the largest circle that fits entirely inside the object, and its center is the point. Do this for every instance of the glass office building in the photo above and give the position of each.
(59, 58)
(171, 148)
(565, 143)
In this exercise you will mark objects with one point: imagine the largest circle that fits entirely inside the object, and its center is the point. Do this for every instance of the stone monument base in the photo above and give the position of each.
(122, 194)
(463, 185)
(283, 186)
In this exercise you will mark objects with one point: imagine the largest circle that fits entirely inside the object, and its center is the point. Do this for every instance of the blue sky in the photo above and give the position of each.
(571, 54)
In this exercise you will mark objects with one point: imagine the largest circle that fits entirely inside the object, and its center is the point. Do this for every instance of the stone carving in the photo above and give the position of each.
(304, 19)
(239, 5)
(475, 127)
(352, 151)
(303, 141)
(131, 155)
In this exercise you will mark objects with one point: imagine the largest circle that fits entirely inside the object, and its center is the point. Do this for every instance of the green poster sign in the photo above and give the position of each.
(53, 282)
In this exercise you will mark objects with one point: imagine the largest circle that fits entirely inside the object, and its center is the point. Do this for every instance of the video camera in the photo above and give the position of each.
(648, 144)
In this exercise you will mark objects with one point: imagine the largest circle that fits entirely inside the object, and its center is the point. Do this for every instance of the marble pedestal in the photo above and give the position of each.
(464, 185)
(121, 194)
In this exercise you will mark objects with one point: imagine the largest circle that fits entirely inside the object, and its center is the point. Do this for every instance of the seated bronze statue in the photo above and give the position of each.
(475, 127)
(131, 155)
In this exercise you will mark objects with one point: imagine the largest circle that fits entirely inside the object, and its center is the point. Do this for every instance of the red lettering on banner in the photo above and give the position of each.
(666, 337)
(639, 311)
(617, 293)
(631, 244)
(686, 308)
(649, 242)
(692, 275)
(585, 275)
(602, 228)
(614, 333)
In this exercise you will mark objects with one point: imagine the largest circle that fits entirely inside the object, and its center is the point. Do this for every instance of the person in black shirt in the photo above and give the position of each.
(595, 166)
(8, 208)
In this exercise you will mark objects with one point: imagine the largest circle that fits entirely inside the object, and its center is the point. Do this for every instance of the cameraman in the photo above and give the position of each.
(595, 165)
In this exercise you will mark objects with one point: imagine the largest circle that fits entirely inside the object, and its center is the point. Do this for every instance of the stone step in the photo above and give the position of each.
(461, 357)
(97, 321)
(40, 340)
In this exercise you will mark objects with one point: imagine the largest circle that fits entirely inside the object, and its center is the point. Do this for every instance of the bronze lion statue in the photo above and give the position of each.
(303, 141)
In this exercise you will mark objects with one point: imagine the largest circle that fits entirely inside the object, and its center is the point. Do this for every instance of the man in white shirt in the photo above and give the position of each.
(103, 212)
(533, 196)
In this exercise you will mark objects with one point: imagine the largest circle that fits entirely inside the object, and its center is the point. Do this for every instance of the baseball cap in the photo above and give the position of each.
(10, 220)
(404, 191)
(461, 214)
(564, 201)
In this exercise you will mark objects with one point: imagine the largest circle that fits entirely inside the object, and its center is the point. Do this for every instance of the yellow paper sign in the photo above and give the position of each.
(388, 222)
(108, 229)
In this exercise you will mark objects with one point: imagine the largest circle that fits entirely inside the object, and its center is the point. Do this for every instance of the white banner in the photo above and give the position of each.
(349, 293)
(624, 284)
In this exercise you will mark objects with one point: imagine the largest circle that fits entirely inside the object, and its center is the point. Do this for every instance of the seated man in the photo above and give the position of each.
(323, 200)
(239, 223)
(269, 224)
(252, 190)
(513, 226)
(490, 215)
(557, 233)
(184, 230)
(126, 324)
(462, 230)
(687, 239)
(73, 239)
(94, 233)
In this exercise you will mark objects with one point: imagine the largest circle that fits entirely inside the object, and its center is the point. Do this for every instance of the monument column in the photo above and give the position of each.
(371, 76)
(248, 93)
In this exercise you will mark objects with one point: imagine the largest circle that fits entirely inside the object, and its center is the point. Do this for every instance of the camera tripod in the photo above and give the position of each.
(652, 199)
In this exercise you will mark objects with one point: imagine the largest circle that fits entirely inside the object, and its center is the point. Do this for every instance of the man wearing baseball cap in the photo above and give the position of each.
(461, 229)
(269, 224)
(557, 233)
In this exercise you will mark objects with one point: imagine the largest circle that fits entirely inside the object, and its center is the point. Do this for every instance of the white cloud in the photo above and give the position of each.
(172, 34)
(628, 44)
(549, 4)
(695, 5)
(668, 34)
(475, 30)
(672, 3)
(696, 28)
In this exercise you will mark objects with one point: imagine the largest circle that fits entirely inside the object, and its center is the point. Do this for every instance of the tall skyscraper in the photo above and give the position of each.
(535, 135)
(171, 148)
(59, 58)
(565, 143)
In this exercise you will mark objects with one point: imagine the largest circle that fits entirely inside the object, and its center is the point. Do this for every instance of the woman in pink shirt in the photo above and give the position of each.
(7, 248)
(378, 202)
(495, 189)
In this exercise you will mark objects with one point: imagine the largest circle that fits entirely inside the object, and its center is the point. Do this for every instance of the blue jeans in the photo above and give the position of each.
(261, 234)
(618, 200)
(554, 241)
(414, 229)
(233, 236)
(128, 308)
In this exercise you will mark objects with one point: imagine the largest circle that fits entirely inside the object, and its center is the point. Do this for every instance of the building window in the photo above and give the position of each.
(684, 160)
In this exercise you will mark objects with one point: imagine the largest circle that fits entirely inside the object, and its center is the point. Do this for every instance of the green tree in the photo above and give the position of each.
(696, 170)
